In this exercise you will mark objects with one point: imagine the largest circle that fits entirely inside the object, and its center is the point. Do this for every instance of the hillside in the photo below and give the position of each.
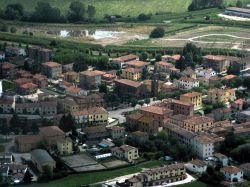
(120, 7)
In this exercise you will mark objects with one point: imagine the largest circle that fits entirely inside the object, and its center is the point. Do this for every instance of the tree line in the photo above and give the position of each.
(202, 4)
(44, 12)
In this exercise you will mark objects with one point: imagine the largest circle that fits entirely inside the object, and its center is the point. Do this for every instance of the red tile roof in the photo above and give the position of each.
(51, 64)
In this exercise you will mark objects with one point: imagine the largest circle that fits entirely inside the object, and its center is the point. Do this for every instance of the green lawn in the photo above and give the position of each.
(7, 85)
(120, 7)
(194, 184)
(90, 178)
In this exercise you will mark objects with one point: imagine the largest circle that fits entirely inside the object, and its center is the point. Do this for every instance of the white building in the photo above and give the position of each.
(206, 73)
(73, 91)
(232, 173)
(203, 146)
(186, 83)
(80, 117)
(196, 166)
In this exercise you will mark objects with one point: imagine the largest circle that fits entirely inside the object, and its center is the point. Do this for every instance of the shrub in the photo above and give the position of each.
(157, 33)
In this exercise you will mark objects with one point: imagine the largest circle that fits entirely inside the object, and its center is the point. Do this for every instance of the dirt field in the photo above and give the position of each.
(115, 163)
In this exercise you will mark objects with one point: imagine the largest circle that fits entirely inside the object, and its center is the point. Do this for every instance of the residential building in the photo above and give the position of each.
(194, 98)
(217, 95)
(157, 113)
(28, 88)
(196, 166)
(43, 108)
(92, 100)
(52, 70)
(96, 133)
(241, 65)
(203, 146)
(126, 152)
(185, 83)
(7, 69)
(71, 76)
(218, 63)
(165, 67)
(2, 55)
(206, 73)
(121, 61)
(131, 74)
(139, 136)
(198, 123)
(68, 104)
(108, 78)
(15, 51)
(242, 129)
(74, 91)
(40, 80)
(117, 132)
(90, 79)
(39, 54)
(189, 72)
(179, 107)
(27, 143)
(125, 86)
(97, 116)
(51, 135)
(65, 146)
(137, 65)
(157, 176)
(238, 104)
(148, 125)
(222, 159)
(43, 161)
(221, 114)
(80, 117)
(232, 173)
(6, 105)
(169, 58)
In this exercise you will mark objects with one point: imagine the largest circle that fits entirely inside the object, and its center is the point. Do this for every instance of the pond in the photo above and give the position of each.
(96, 34)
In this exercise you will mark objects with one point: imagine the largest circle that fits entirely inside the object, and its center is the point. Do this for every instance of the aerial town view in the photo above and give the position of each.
(125, 93)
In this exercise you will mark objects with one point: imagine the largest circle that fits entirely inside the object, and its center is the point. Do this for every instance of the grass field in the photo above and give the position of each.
(111, 7)
(90, 178)
(194, 184)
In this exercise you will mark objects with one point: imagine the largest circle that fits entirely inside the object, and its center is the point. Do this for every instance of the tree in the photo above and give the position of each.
(15, 123)
(91, 11)
(239, 4)
(144, 56)
(158, 32)
(144, 17)
(147, 100)
(76, 12)
(67, 123)
(80, 66)
(103, 88)
(144, 74)
(158, 58)
(45, 13)
(13, 11)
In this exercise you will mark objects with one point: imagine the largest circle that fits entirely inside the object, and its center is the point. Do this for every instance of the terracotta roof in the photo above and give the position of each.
(162, 63)
(239, 102)
(165, 168)
(80, 113)
(228, 77)
(220, 156)
(116, 128)
(203, 139)
(108, 75)
(73, 73)
(174, 57)
(139, 134)
(134, 116)
(95, 129)
(22, 81)
(197, 120)
(29, 86)
(216, 90)
(39, 77)
(126, 58)
(191, 94)
(28, 139)
(127, 147)
(92, 73)
(132, 70)
(198, 162)
(51, 64)
(73, 89)
(97, 110)
(128, 82)
(231, 169)
(215, 57)
(154, 109)
(137, 64)
(188, 79)
(51, 131)
(7, 65)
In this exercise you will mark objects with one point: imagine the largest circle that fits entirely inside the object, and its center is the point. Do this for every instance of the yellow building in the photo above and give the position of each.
(131, 74)
(126, 152)
(194, 98)
(97, 116)
(71, 76)
(220, 95)
(65, 146)
(198, 124)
